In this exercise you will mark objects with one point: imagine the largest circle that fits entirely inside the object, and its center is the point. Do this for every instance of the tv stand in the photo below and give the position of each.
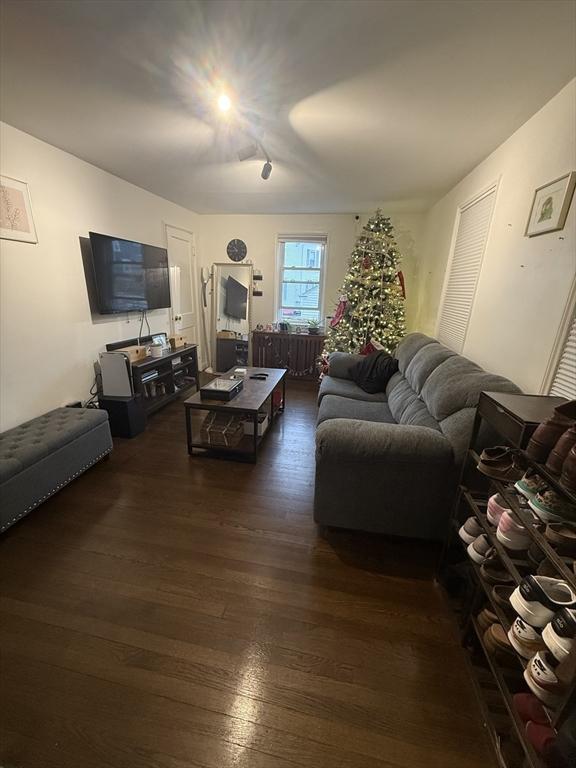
(160, 380)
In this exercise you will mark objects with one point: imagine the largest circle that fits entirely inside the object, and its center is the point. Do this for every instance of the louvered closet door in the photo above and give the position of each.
(460, 288)
(564, 382)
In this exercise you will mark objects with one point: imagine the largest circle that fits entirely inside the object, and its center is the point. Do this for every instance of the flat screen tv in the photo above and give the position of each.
(236, 299)
(130, 276)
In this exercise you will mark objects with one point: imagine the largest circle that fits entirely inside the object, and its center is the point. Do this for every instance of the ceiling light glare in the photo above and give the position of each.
(224, 102)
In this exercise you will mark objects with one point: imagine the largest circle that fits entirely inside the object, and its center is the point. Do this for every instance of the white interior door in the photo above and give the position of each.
(185, 319)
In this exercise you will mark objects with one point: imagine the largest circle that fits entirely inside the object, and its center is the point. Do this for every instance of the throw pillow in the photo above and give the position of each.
(374, 372)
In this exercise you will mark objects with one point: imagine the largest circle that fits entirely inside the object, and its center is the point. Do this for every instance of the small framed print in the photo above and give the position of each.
(550, 205)
(16, 220)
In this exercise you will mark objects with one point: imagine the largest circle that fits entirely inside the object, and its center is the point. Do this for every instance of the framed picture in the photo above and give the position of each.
(16, 221)
(550, 205)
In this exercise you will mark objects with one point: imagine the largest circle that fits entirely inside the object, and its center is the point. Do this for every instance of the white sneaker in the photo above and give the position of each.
(560, 634)
(538, 598)
(470, 530)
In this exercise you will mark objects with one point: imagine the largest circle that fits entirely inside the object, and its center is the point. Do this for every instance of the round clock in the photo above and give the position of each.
(236, 250)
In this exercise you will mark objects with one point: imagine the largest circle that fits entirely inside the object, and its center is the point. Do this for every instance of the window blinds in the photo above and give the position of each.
(564, 381)
(460, 287)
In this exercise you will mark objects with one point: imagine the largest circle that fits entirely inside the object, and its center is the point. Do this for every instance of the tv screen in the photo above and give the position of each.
(236, 299)
(129, 276)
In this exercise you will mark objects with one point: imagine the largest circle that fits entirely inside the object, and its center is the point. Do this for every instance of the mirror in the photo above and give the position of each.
(231, 315)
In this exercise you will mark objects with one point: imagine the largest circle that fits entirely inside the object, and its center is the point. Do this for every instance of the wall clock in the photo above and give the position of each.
(236, 250)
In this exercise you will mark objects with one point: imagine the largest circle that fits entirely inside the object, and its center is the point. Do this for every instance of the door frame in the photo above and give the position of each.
(171, 228)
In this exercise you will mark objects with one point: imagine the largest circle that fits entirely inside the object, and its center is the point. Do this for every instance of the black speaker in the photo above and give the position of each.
(126, 415)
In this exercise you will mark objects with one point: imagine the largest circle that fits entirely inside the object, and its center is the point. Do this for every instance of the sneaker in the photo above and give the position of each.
(560, 634)
(529, 484)
(541, 737)
(562, 536)
(511, 533)
(551, 508)
(524, 639)
(530, 709)
(560, 452)
(538, 598)
(480, 549)
(542, 680)
(486, 618)
(501, 595)
(493, 572)
(501, 463)
(470, 530)
(568, 476)
(496, 641)
(547, 434)
(495, 509)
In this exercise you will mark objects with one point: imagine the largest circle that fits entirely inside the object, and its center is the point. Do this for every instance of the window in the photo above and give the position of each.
(301, 270)
(472, 226)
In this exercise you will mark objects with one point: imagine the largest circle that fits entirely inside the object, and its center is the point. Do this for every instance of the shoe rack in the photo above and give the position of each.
(496, 677)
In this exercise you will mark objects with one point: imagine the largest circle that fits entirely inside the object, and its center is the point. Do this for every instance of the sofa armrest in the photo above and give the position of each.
(355, 441)
(341, 362)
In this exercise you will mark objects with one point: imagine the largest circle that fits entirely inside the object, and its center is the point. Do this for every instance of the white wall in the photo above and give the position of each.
(49, 340)
(260, 232)
(524, 282)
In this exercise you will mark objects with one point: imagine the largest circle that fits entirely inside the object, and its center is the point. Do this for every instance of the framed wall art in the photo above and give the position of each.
(550, 205)
(16, 220)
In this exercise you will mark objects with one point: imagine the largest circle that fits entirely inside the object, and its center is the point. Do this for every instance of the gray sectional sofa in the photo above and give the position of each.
(390, 462)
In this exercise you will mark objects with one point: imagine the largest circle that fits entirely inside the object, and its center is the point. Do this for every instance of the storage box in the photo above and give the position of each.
(221, 429)
(134, 353)
(262, 425)
(177, 341)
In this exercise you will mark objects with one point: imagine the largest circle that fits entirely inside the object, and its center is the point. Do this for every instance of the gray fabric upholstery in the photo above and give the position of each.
(401, 463)
(330, 385)
(340, 364)
(334, 407)
(44, 454)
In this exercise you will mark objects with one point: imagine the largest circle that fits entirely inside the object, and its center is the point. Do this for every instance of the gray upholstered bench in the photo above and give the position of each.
(45, 454)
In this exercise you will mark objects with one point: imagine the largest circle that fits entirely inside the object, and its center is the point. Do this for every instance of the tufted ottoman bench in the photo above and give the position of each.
(45, 454)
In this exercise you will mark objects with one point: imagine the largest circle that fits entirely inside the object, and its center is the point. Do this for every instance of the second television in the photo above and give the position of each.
(236, 299)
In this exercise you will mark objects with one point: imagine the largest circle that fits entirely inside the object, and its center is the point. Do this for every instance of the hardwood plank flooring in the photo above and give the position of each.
(164, 611)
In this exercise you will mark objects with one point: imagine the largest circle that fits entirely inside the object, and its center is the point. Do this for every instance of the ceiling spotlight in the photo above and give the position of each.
(266, 170)
(224, 102)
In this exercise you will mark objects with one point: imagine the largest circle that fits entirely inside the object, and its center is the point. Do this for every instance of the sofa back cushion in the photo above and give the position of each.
(438, 388)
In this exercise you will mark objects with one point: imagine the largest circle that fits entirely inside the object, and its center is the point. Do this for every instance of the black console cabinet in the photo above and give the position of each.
(159, 380)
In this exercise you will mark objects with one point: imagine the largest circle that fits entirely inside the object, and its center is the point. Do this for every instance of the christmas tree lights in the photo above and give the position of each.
(371, 306)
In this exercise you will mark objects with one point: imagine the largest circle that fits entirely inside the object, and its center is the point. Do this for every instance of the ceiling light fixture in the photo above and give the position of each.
(224, 102)
(250, 151)
(266, 169)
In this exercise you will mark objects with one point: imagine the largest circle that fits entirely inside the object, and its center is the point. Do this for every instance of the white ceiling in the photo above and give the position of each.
(357, 102)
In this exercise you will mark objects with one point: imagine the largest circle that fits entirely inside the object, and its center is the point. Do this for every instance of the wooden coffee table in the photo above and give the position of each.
(249, 402)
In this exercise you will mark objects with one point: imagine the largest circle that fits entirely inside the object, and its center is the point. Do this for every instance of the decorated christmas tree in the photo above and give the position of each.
(370, 312)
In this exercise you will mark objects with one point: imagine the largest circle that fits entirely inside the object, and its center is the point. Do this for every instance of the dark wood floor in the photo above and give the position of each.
(168, 612)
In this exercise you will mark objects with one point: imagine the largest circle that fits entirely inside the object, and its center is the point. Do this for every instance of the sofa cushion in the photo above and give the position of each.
(424, 362)
(407, 407)
(409, 346)
(341, 362)
(334, 407)
(347, 388)
(457, 383)
(34, 440)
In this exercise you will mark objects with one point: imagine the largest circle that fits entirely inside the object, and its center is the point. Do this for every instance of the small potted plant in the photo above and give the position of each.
(313, 327)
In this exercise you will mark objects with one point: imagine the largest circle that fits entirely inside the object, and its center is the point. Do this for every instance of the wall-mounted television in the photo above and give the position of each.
(236, 299)
(129, 276)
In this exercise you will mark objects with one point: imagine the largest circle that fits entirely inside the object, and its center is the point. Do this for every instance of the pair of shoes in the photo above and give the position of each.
(494, 573)
(539, 732)
(501, 594)
(540, 675)
(546, 503)
(486, 618)
(562, 536)
(525, 639)
(559, 635)
(495, 509)
(497, 643)
(538, 598)
(470, 530)
(481, 550)
(511, 533)
(554, 442)
(502, 463)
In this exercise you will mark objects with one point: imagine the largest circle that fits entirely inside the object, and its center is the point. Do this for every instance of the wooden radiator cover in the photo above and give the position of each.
(297, 352)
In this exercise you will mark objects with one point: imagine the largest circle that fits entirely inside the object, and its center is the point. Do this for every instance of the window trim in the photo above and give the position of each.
(281, 239)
